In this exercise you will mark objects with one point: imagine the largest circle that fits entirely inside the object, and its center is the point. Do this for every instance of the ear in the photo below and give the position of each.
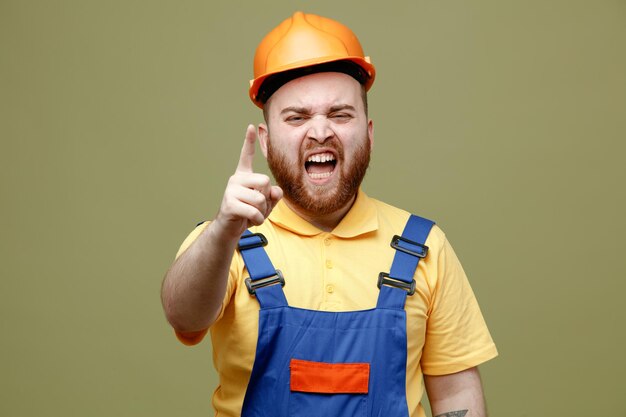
(263, 138)
(370, 133)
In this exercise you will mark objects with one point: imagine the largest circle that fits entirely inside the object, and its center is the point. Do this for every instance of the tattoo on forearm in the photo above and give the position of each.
(459, 413)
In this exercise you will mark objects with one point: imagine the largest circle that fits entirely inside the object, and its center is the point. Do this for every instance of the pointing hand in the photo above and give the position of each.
(249, 197)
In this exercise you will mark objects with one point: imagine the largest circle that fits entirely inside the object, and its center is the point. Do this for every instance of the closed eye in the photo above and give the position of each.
(341, 116)
(295, 119)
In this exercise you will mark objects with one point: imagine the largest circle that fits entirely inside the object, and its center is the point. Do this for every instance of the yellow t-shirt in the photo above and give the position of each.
(338, 271)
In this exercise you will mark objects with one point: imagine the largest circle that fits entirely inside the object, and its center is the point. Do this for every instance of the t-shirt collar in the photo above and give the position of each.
(362, 218)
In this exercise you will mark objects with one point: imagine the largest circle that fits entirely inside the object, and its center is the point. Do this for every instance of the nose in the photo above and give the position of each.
(320, 129)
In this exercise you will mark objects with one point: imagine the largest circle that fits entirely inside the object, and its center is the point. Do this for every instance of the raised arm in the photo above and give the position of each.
(194, 286)
(456, 395)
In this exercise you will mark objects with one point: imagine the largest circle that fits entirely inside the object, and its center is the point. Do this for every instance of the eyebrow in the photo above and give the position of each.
(342, 107)
(293, 109)
(305, 110)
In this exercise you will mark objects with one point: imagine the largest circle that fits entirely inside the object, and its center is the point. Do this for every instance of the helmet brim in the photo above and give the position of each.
(362, 62)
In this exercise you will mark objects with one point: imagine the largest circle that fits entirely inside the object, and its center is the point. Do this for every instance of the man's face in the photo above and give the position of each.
(318, 141)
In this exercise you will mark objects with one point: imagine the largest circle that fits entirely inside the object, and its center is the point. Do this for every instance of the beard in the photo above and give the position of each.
(322, 199)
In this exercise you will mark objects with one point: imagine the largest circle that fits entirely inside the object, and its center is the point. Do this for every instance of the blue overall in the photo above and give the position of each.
(367, 348)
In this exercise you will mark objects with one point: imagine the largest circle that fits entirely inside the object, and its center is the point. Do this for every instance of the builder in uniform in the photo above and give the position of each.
(320, 309)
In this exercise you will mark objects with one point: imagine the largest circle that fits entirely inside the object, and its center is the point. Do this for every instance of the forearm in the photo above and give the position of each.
(194, 287)
(467, 405)
(456, 395)
(195, 284)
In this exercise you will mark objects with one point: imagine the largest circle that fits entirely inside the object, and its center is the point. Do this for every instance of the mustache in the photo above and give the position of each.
(330, 144)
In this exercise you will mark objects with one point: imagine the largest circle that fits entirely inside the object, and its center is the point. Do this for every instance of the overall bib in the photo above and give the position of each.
(316, 363)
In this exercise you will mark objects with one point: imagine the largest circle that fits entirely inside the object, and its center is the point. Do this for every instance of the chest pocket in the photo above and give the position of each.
(328, 389)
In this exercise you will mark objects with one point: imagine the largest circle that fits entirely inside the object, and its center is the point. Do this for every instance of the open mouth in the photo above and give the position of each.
(321, 165)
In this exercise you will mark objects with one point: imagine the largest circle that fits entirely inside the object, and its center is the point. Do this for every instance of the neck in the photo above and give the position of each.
(325, 222)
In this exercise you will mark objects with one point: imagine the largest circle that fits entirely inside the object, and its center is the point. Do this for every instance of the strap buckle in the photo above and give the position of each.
(420, 250)
(254, 244)
(385, 279)
(277, 278)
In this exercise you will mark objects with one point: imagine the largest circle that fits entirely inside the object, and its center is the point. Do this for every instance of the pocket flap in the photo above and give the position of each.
(329, 378)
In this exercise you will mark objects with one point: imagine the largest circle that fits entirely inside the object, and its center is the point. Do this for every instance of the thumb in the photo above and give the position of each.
(276, 193)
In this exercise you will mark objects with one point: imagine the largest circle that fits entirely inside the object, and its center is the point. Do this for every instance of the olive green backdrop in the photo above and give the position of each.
(122, 120)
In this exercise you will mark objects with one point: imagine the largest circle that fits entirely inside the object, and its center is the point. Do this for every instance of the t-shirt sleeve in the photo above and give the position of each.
(457, 337)
(191, 238)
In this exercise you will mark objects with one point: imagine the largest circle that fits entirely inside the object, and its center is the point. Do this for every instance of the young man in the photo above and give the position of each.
(311, 312)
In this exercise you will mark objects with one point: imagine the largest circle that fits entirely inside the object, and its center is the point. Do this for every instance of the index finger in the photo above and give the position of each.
(247, 151)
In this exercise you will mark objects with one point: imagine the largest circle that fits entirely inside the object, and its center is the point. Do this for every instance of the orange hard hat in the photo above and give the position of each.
(304, 41)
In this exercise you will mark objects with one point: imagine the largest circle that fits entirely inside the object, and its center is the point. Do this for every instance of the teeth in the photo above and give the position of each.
(320, 176)
(321, 157)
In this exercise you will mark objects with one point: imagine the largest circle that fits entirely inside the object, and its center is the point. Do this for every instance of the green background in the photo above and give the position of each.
(122, 120)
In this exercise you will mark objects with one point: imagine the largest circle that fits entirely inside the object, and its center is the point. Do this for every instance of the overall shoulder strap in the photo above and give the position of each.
(410, 248)
(264, 278)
